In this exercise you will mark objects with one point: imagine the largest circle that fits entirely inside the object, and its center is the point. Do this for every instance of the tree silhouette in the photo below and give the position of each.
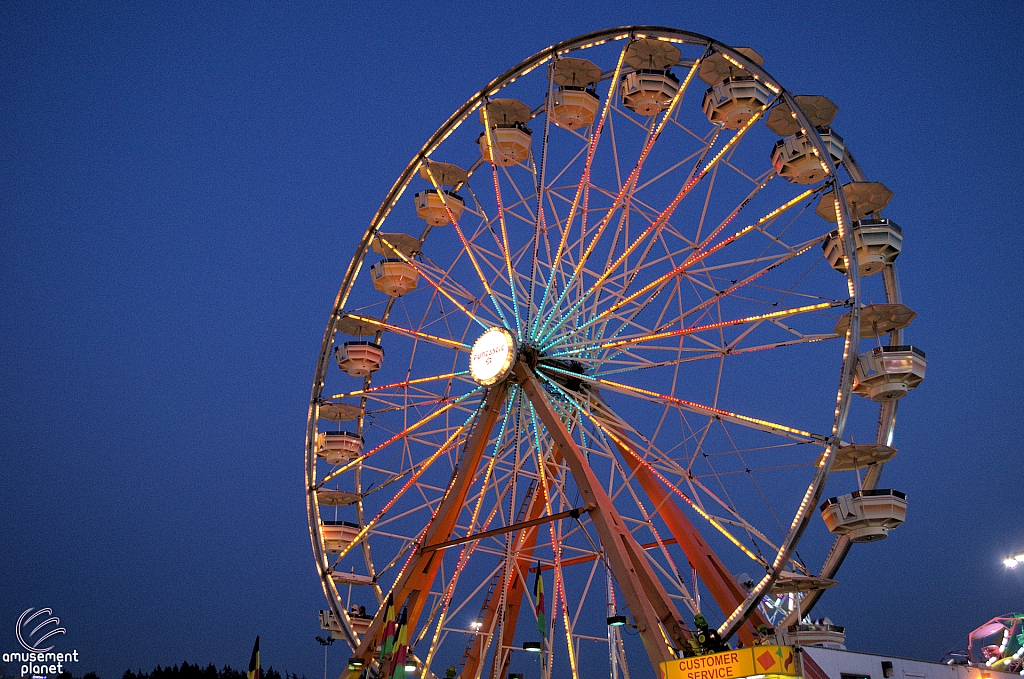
(188, 671)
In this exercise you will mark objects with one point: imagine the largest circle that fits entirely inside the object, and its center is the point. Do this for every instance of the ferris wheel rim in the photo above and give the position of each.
(402, 183)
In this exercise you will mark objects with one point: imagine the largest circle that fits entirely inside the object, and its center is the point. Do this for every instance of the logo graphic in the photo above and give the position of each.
(492, 355)
(41, 630)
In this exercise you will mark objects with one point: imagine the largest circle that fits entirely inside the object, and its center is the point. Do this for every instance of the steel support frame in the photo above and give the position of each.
(527, 542)
(413, 586)
(724, 588)
(649, 603)
(526, 538)
(515, 591)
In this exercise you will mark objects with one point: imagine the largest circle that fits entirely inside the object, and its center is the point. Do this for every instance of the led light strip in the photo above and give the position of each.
(404, 432)
(697, 257)
(626, 188)
(584, 181)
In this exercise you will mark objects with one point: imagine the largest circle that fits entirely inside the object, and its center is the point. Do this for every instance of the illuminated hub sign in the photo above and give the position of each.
(492, 356)
(743, 662)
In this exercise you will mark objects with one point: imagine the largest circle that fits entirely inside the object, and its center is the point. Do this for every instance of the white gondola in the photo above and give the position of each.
(338, 535)
(394, 277)
(339, 412)
(888, 373)
(734, 95)
(443, 174)
(820, 111)
(879, 242)
(862, 198)
(338, 447)
(336, 498)
(430, 207)
(575, 102)
(796, 160)
(506, 145)
(351, 579)
(359, 358)
(649, 91)
(392, 246)
(508, 141)
(822, 633)
(717, 67)
(865, 515)
(329, 624)
(878, 319)
(360, 623)
(734, 101)
(574, 107)
(858, 456)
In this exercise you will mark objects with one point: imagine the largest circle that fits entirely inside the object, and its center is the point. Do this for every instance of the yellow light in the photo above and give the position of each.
(672, 487)
(627, 185)
(408, 484)
(400, 385)
(707, 409)
(411, 333)
(723, 324)
(462, 237)
(430, 280)
(733, 61)
(584, 183)
(698, 256)
(404, 432)
(501, 218)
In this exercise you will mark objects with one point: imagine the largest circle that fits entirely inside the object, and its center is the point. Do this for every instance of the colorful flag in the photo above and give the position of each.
(403, 646)
(538, 596)
(254, 662)
(389, 628)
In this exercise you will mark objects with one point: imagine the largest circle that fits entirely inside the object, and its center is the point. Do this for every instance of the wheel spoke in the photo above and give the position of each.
(430, 280)
(444, 448)
(467, 550)
(400, 385)
(647, 235)
(402, 434)
(718, 413)
(415, 334)
(626, 188)
(622, 443)
(682, 332)
(540, 225)
(659, 283)
(465, 243)
(583, 184)
(501, 220)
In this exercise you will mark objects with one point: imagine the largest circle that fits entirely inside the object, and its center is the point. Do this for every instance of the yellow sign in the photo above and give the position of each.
(743, 662)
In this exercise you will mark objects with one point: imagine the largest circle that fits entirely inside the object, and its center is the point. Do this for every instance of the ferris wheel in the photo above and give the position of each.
(597, 354)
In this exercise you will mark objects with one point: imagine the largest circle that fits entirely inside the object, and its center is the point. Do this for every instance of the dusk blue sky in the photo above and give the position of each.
(182, 186)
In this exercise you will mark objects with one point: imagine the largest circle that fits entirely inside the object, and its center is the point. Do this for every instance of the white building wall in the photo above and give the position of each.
(836, 663)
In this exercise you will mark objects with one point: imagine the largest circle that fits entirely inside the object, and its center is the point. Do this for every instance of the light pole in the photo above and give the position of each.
(325, 643)
(1014, 560)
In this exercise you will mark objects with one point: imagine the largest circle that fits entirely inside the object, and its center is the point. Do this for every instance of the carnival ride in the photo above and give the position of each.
(624, 293)
(999, 643)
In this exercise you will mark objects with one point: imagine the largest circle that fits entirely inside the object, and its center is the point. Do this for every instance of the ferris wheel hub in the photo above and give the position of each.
(492, 356)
